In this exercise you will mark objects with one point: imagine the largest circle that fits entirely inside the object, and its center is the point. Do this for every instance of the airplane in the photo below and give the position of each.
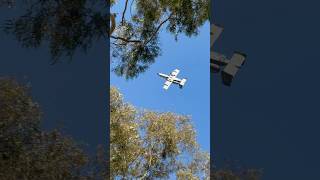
(172, 78)
(218, 60)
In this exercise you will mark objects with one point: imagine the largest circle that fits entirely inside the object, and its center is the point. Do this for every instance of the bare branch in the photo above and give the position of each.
(113, 23)
(148, 40)
(158, 28)
(126, 40)
(124, 12)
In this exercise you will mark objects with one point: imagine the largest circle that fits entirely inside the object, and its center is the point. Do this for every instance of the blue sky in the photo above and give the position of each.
(191, 56)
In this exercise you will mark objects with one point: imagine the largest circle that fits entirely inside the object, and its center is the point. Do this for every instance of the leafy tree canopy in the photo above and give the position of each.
(135, 39)
(65, 25)
(68, 25)
(27, 152)
(144, 145)
(149, 145)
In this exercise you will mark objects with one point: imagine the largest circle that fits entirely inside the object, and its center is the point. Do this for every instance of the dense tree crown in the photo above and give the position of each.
(27, 152)
(149, 145)
(152, 145)
(63, 25)
(144, 145)
(68, 25)
(135, 39)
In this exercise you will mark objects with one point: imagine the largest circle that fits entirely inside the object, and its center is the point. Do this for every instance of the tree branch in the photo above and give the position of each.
(113, 23)
(158, 28)
(126, 40)
(148, 40)
(124, 12)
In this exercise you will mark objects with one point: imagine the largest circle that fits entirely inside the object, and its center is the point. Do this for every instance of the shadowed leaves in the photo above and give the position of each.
(70, 25)
(26, 151)
(67, 25)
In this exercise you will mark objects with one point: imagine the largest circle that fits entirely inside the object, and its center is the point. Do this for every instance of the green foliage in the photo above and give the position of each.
(135, 40)
(144, 145)
(150, 145)
(69, 25)
(27, 152)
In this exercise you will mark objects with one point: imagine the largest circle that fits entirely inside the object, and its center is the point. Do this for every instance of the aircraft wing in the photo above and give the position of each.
(167, 85)
(171, 78)
(238, 59)
(174, 73)
(215, 33)
(232, 67)
(218, 58)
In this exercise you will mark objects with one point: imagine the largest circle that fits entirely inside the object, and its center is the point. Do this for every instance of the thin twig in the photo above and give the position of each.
(147, 41)
(158, 28)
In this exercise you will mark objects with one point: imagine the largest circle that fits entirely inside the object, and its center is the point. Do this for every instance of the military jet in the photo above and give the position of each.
(218, 60)
(172, 78)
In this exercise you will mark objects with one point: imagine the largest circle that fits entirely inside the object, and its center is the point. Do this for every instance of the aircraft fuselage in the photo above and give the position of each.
(172, 78)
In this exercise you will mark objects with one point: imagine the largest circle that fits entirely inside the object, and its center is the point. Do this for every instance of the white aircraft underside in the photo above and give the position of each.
(172, 78)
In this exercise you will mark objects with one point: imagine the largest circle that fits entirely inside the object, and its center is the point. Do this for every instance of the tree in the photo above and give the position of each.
(135, 39)
(232, 171)
(144, 144)
(7, 3)
(27, 152)
(148, 145)
(68, 25)
(226, 174)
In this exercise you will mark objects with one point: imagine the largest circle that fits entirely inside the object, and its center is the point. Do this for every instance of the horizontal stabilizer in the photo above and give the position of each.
(231, 69)
(182, 82)
(167, 85)
(238, 59)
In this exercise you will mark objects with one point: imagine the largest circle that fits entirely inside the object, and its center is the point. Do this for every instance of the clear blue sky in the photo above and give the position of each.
(191, 56)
